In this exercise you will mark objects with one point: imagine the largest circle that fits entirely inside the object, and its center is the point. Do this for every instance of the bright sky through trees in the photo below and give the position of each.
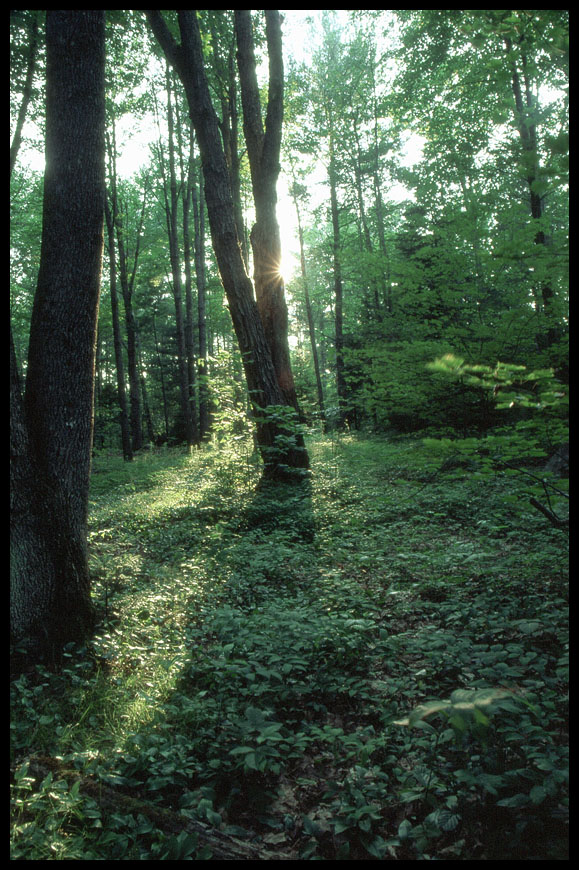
(301, 36)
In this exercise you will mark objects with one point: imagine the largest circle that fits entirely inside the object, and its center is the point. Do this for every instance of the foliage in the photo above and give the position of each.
(438, 249)
(372, 661)
(371, 664)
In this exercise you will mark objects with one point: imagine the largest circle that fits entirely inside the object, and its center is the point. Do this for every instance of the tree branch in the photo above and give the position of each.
(223, 846)
(552, 517)
(274, 117)
(171, 48)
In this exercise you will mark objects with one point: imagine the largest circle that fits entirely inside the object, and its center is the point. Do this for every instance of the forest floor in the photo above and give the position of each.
(370, 664)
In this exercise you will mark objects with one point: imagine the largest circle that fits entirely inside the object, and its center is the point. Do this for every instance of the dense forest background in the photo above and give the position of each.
(425, 156)
(289, 434)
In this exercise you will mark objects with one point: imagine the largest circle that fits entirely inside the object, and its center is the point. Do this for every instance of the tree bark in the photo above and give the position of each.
(278, 445)
(117, 342)
(199, 249)
(526, 110)
(52, 428)
(127, 284)
(263, 149)
(171, 206)
(187, 184)
(338, 287)
(309, 314)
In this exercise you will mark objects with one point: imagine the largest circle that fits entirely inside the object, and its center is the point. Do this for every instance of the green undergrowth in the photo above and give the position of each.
(370, 664)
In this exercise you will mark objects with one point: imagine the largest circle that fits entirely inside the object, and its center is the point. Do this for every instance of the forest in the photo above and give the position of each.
(289, 479)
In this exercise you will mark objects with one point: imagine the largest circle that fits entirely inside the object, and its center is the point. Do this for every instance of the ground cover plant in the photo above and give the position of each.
(371, 664)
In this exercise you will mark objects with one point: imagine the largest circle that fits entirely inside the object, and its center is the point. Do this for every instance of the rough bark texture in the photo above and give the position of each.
(52, 429)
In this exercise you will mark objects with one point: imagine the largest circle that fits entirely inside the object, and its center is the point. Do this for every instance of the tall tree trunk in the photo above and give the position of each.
(338, 288)
(526, 111)
(171, 207)
(52, 429)
(373, 305)
(161, 378)
(387, 285)
(199, 248)
(224, 71)
(263, 149)
(117, 342)
(127, 281)
(187, 184)
(281, 451)
(309, 313)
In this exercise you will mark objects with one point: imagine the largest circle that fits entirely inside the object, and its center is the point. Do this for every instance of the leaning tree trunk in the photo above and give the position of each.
(52, 427)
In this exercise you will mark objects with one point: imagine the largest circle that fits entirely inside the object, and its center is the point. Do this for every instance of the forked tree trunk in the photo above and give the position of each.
(52, 428)
(263, 149)
(281, 451)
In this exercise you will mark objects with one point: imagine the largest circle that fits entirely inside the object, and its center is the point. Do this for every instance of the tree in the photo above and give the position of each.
(282, 451)
(117, 340)
(51, 429)
(31, 56)
(172, 192)
(298, 190)
(263, 149)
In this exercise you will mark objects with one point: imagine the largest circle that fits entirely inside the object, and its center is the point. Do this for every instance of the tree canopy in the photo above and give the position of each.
(431, 147)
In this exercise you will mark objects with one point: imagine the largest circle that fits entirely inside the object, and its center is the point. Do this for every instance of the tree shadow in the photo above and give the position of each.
(285, 505)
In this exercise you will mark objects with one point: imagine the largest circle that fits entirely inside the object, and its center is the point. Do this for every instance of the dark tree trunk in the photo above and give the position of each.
(187, 183)
(526, 110)
(224, 71)
(309, 314)
(171, 206)
(52, 428)
(161, 378)
(127, 283)
(199, 248)
(117, 341)
(263, 149)
(338, 288)
(281, 453)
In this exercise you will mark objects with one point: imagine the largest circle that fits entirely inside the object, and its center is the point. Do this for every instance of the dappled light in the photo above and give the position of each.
(289, 435)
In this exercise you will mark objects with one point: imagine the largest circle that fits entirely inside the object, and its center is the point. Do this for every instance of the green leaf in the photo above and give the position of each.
(404, 829)
(340, 826)
(518, 800)
(250, 761)
(538, 794)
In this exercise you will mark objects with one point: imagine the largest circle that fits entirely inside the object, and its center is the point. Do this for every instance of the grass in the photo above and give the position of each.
(368, 665)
